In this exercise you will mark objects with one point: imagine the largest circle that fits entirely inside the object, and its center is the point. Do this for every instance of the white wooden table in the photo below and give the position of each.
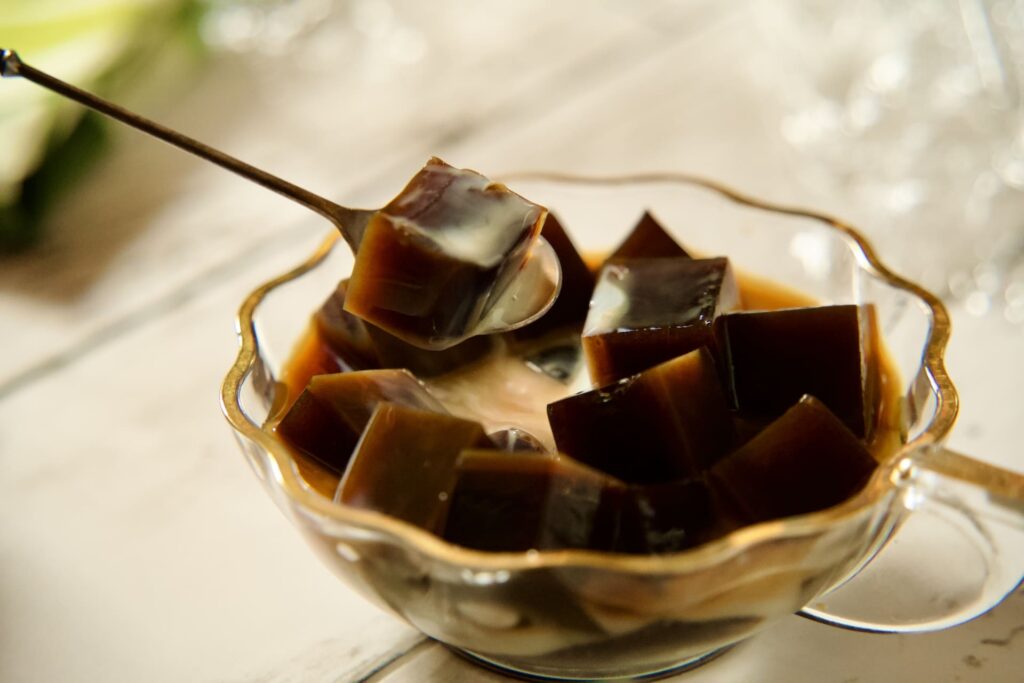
(134, 543)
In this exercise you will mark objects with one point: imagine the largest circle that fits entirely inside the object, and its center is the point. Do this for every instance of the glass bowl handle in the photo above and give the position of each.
(962, 551)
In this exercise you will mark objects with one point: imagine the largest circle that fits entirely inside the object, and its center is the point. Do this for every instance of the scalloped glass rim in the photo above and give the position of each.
(287, 479)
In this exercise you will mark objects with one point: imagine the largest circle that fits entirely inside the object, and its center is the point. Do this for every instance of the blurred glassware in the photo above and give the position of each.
(268, 26)
(324, 33)
(912, 110)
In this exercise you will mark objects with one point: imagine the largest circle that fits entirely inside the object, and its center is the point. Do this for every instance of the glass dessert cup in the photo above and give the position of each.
(588, 615)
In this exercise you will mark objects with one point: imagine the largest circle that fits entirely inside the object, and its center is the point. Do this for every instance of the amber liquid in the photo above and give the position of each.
(500, 390)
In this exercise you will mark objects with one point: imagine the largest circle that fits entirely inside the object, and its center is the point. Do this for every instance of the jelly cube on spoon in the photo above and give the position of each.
(434, 261)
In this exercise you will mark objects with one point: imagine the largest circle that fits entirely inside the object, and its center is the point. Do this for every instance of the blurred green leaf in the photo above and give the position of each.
(102, 46)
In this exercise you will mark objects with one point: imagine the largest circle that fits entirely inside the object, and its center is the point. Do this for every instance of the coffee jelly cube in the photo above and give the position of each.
(361, 345)
(806, 460)
(666, 518)
(772, 358)
(396, 353)
(512, 502)
(570, 307)
(345, 334)
(404, 465)
(646, 311)
(648, 240)
(328, 417)
(669, 422)
(434, 259)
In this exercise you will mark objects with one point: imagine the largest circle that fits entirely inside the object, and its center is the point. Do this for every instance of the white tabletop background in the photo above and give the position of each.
(135, 545)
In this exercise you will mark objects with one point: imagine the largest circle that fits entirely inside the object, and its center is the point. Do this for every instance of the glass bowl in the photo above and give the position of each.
(588, 615)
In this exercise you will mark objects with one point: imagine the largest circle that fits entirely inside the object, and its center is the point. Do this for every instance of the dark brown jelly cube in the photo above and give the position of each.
(404, 465)
(515, 440)
(646, 311)
(395, 353)
(648, 240)
(434, 259)
(772, 358)
(328, 417)
(361, 345)
(345, 334)
(570, 307)
(669, 422)
(512, 502)
(746, 427)
(666, 518)
(806, 460)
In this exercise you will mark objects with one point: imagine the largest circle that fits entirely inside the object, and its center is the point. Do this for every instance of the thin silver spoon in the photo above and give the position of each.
(524, 300)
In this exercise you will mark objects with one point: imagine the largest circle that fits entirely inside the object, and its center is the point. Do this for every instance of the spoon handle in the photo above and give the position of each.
(349, 221)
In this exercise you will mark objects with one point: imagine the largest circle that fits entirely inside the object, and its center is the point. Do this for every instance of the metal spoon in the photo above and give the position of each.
(525, 299)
